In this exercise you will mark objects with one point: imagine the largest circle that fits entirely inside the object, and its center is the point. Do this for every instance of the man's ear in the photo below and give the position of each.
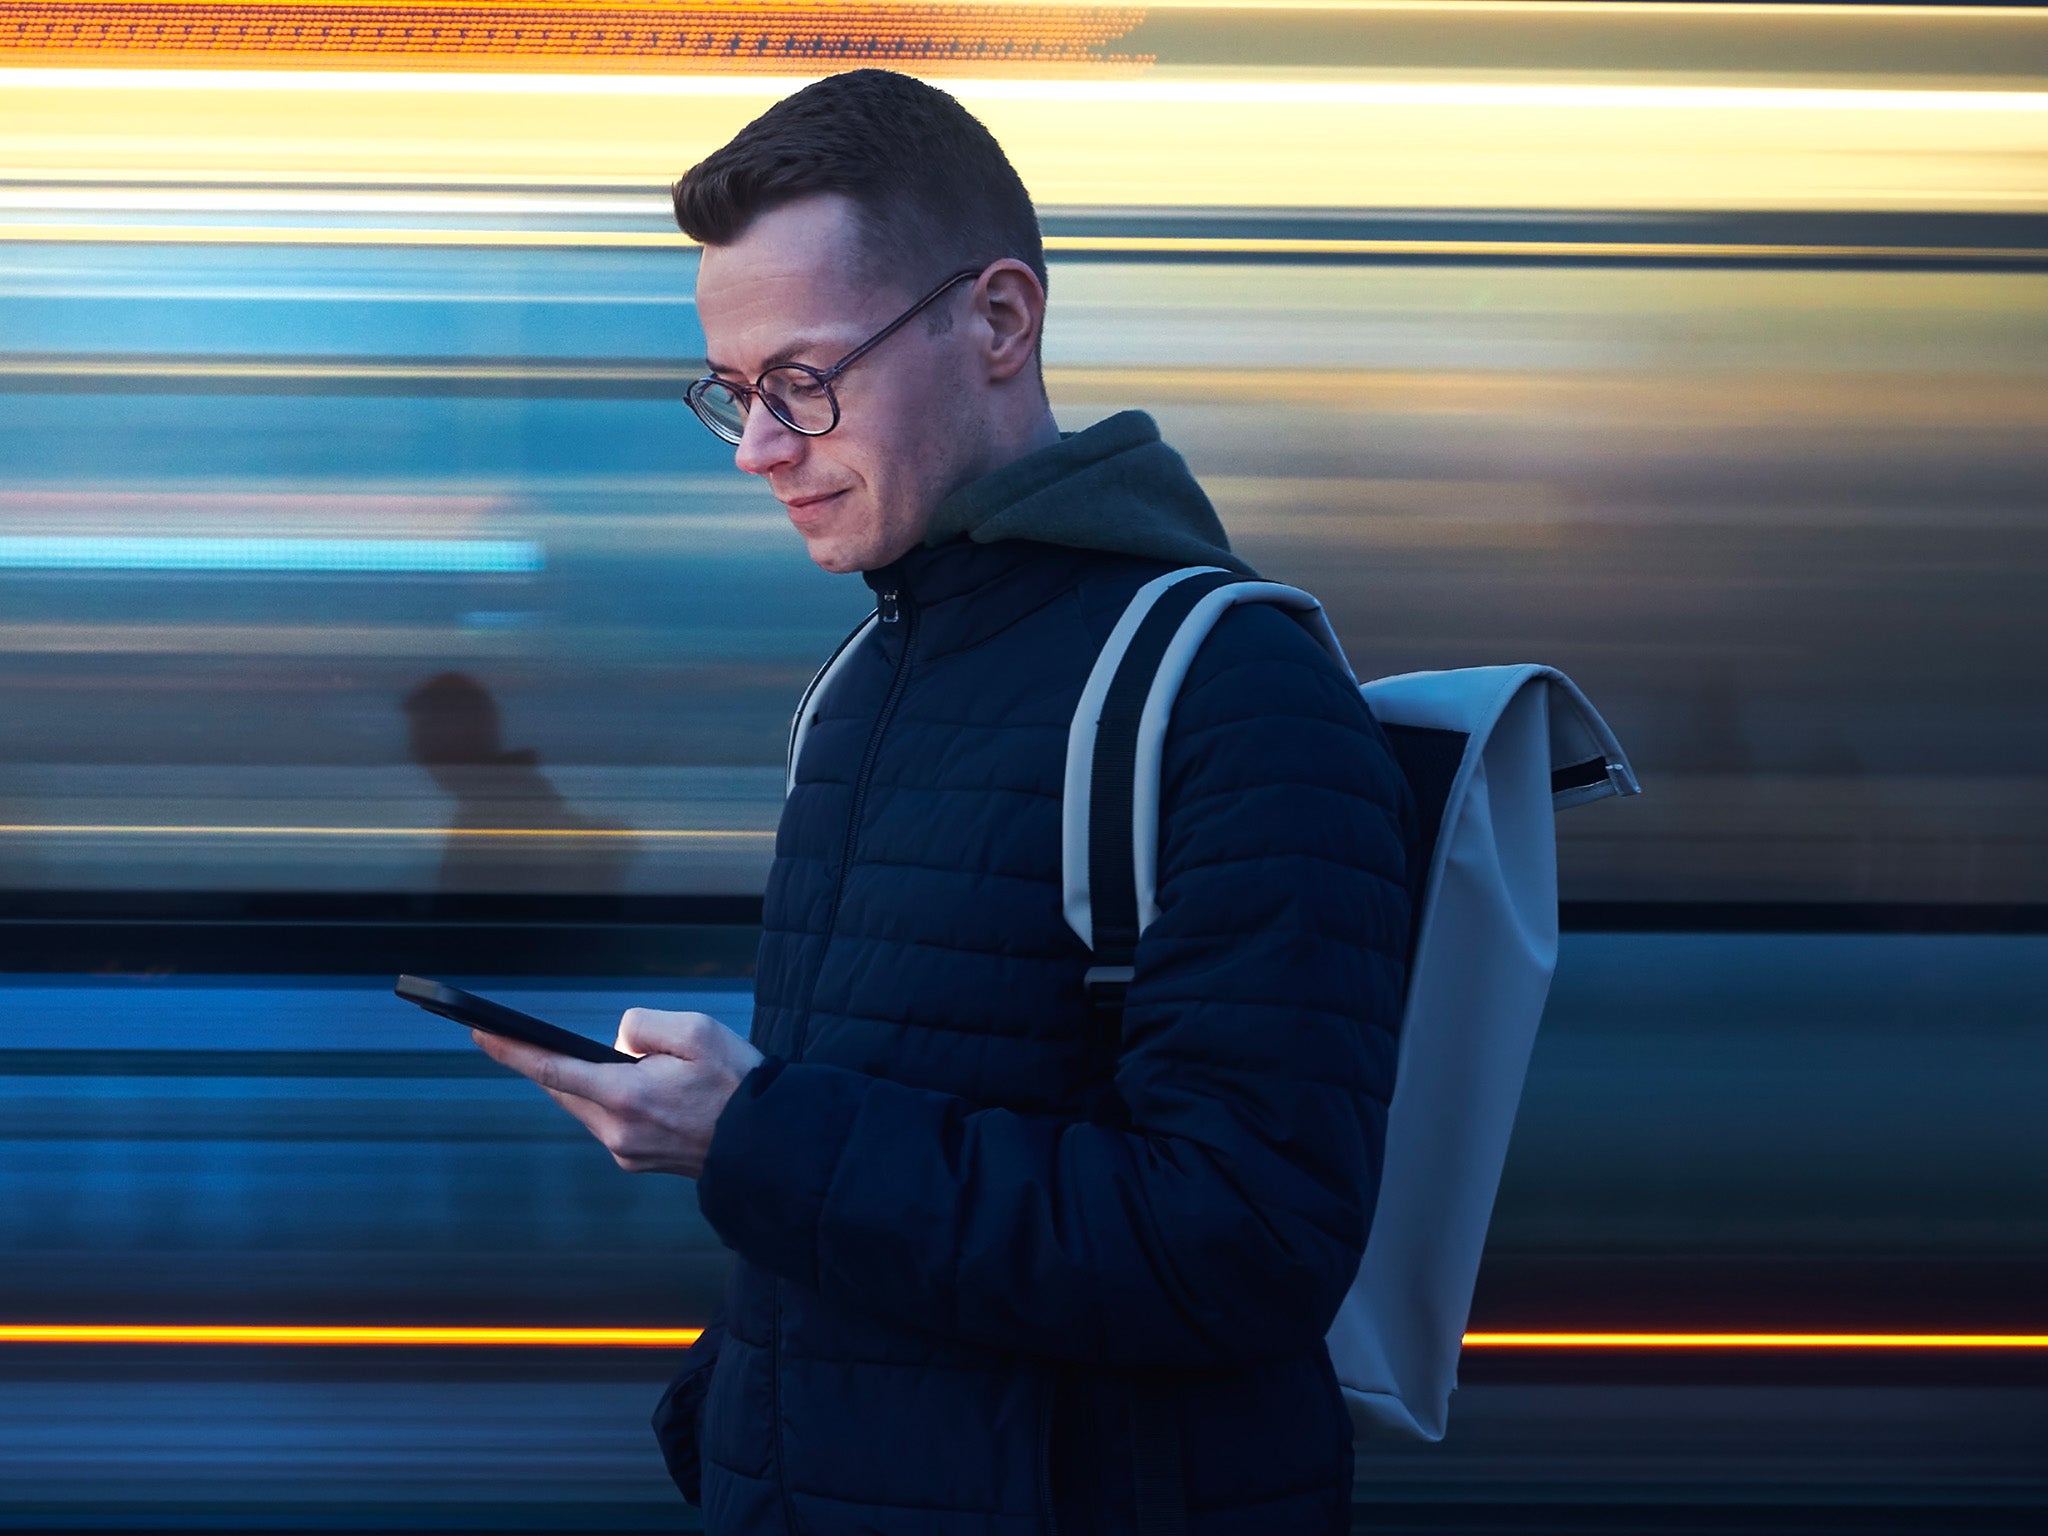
(1011, 301)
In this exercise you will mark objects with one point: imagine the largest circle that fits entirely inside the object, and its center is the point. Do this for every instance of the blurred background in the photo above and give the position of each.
(370, 601)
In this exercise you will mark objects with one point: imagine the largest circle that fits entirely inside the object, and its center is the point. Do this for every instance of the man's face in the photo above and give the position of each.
(791, 289)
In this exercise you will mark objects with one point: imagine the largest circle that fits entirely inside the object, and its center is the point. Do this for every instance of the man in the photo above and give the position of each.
(997, 1269)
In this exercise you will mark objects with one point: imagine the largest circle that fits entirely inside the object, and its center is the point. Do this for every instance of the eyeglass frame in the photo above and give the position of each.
(748, 394)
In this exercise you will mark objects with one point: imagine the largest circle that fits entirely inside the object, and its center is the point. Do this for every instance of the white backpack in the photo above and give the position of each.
(1490, 753)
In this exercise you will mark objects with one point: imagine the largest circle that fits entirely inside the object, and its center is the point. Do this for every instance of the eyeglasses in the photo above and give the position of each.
(798, 395)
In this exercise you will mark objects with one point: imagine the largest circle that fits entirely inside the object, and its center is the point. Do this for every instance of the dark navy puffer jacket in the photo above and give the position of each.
(969, 1231)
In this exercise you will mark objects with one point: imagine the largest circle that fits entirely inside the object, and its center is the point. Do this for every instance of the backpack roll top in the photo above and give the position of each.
(1587, 762)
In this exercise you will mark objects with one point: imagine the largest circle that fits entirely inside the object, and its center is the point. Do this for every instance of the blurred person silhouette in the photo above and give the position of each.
(454, 733)
(1004, 1262)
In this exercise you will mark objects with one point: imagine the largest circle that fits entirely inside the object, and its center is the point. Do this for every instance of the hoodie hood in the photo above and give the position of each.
(1115, 487)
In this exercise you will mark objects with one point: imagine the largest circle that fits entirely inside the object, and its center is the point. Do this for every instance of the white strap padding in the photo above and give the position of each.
(1081, 750)
(1173, 671)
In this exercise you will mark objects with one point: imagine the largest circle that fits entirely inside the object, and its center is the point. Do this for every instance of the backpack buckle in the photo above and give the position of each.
(1104, 982)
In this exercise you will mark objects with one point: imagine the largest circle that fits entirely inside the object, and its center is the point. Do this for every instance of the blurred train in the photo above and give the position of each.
(370, 601)
(1785, 523)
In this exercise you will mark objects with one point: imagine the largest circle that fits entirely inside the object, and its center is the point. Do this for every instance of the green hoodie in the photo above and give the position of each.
(1114, 487)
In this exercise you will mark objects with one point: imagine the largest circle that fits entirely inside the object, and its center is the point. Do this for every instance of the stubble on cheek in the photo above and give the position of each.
(896, 485)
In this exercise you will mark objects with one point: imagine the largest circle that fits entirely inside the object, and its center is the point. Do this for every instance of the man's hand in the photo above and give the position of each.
(654, 1115)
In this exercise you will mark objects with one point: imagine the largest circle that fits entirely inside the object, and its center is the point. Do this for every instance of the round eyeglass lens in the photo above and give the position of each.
(800, 397)
(719, 409)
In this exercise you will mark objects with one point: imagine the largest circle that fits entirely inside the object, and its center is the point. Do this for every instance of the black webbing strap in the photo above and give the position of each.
(1112, 873)
(1157, 1482)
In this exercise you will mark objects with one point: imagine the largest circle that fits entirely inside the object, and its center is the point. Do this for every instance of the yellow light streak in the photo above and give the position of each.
(256, 234)
(1196, 245)
(1178, 141)
(1114, 245)
(354, 1335)
(109, 829)
(411, 204)
(1152, 91)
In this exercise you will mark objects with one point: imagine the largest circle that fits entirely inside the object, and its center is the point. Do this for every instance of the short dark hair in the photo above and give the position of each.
(934, 190)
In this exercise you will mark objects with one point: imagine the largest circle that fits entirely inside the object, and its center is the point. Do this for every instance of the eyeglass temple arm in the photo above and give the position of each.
(846, 362)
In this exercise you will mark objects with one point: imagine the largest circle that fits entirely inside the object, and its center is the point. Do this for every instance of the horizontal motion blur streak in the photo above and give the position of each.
(129, 553)
(94, 829)
(325, 1336)
(1257, 142)
(677, 1338)
(1142, 92)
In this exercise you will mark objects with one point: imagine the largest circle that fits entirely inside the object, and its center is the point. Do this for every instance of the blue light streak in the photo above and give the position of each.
(130, 553)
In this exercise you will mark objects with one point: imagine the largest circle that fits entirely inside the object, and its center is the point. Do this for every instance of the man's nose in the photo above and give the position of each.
(766, 443)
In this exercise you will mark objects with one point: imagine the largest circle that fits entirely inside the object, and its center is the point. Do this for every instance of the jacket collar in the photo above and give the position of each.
(1022, 534)
(1115, 488)
(965, 592)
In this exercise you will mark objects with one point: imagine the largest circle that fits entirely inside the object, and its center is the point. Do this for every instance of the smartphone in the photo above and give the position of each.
(495, 1018)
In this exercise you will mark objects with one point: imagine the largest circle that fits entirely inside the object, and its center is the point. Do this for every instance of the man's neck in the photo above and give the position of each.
(1036, 431)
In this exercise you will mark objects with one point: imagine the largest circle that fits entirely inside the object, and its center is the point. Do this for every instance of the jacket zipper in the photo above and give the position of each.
(890, 607)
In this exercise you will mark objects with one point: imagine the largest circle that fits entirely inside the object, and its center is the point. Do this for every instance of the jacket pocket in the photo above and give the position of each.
(679, 1417)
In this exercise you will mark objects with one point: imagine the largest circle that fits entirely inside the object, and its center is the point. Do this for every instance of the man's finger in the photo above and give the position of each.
(555, 1072)
(595, 1118)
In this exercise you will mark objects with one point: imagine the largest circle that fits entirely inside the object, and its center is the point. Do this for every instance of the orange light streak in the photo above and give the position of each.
(802, 36)
(1756, 1341)
(323, 1336)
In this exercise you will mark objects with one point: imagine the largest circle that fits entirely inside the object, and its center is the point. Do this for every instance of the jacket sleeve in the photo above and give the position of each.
(1226, 1221)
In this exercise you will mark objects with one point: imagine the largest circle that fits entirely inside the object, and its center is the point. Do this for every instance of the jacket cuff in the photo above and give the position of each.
(771, 1160)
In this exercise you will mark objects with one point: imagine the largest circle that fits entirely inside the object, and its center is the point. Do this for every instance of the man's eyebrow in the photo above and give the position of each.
(789, 353)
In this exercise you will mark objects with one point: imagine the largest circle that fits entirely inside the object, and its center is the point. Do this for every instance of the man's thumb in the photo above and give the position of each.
(653, 1032)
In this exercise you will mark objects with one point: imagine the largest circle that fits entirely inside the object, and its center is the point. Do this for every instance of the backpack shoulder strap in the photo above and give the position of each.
(1109, 818)
(1109, 856)
(806, 709)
